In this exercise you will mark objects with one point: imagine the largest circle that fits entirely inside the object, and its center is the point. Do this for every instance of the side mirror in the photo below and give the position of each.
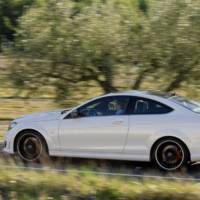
(75, 114)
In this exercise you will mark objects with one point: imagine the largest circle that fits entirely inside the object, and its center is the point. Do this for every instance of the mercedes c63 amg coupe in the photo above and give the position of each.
(133, 125)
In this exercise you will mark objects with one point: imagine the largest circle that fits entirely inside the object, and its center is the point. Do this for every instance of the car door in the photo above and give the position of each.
(147, 117)
(101, 127)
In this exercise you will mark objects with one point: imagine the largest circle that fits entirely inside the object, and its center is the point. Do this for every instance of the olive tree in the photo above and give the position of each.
(168, 46)
(55, 46)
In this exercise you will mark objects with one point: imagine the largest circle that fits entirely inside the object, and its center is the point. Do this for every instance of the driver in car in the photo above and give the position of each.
(121, 108)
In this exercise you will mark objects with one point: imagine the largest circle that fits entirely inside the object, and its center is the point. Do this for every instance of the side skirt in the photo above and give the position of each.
(110, 156)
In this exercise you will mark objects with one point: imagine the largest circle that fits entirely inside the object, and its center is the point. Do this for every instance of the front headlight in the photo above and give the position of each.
(12, 125)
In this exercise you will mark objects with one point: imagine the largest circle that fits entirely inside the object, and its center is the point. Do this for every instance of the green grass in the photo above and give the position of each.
(27, 185)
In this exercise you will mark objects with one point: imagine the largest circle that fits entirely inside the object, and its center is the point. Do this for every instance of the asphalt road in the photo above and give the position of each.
(107, 166)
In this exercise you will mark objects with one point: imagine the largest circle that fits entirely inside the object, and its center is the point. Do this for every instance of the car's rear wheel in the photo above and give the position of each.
(170, 154)
(31, 147)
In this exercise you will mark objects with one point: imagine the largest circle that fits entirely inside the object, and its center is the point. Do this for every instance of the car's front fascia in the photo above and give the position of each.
(45, 123)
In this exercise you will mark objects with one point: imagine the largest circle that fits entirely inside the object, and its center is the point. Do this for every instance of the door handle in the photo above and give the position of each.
(118, 122)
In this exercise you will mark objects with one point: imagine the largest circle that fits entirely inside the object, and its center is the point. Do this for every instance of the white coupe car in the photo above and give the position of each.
(135, 125)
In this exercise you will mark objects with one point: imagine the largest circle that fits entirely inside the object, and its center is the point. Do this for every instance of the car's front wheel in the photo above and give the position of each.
(31, 147)
(170, 154)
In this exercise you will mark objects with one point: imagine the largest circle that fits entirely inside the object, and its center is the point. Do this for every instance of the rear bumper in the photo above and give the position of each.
(194, 152)
(195, 157)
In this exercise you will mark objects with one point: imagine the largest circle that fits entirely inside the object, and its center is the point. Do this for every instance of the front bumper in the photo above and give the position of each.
(7, 147)
(8, 143)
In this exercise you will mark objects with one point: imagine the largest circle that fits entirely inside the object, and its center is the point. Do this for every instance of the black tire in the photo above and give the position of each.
(31, 147)
(170, 154)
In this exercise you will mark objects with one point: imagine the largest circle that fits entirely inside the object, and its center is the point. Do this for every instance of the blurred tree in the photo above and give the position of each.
(168, 45)
(57, 47)
(61, 43)
(10, 11)
(143, 5)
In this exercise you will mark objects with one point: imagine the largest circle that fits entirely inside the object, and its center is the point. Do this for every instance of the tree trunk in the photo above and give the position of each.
(140, 78)
(180, 77)
(107, 86)
(106, 71)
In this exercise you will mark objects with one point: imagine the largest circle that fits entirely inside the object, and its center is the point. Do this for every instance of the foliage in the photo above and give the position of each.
(61, 48)
(168, 44)
(10, 11)
(65, 44)
(33, 185)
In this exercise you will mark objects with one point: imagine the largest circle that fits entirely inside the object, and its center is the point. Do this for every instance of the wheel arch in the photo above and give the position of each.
(33, 131)
(172, 138)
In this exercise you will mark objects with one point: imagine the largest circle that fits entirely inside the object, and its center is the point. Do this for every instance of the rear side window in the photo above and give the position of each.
(191, 105)
(148, 106)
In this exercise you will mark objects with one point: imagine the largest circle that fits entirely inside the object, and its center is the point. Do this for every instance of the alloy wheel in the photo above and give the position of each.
(29, 147)
(169, 155)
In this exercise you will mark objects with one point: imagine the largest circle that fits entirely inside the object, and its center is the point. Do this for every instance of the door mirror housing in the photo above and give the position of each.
(74, 114)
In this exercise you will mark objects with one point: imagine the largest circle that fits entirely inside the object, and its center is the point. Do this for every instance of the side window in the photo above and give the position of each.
(147, 106)
(105, 107)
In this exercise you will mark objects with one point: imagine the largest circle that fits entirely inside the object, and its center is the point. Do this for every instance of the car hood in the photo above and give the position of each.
(43, 116)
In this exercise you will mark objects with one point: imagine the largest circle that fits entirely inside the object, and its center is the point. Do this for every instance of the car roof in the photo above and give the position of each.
(142, 93)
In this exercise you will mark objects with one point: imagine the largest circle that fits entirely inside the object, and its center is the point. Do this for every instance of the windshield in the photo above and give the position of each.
(189, 104)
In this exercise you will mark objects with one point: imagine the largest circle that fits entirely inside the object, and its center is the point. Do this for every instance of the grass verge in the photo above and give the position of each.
(27, 185)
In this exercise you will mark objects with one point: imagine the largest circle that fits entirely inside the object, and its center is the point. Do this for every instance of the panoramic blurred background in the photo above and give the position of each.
(58, 53)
